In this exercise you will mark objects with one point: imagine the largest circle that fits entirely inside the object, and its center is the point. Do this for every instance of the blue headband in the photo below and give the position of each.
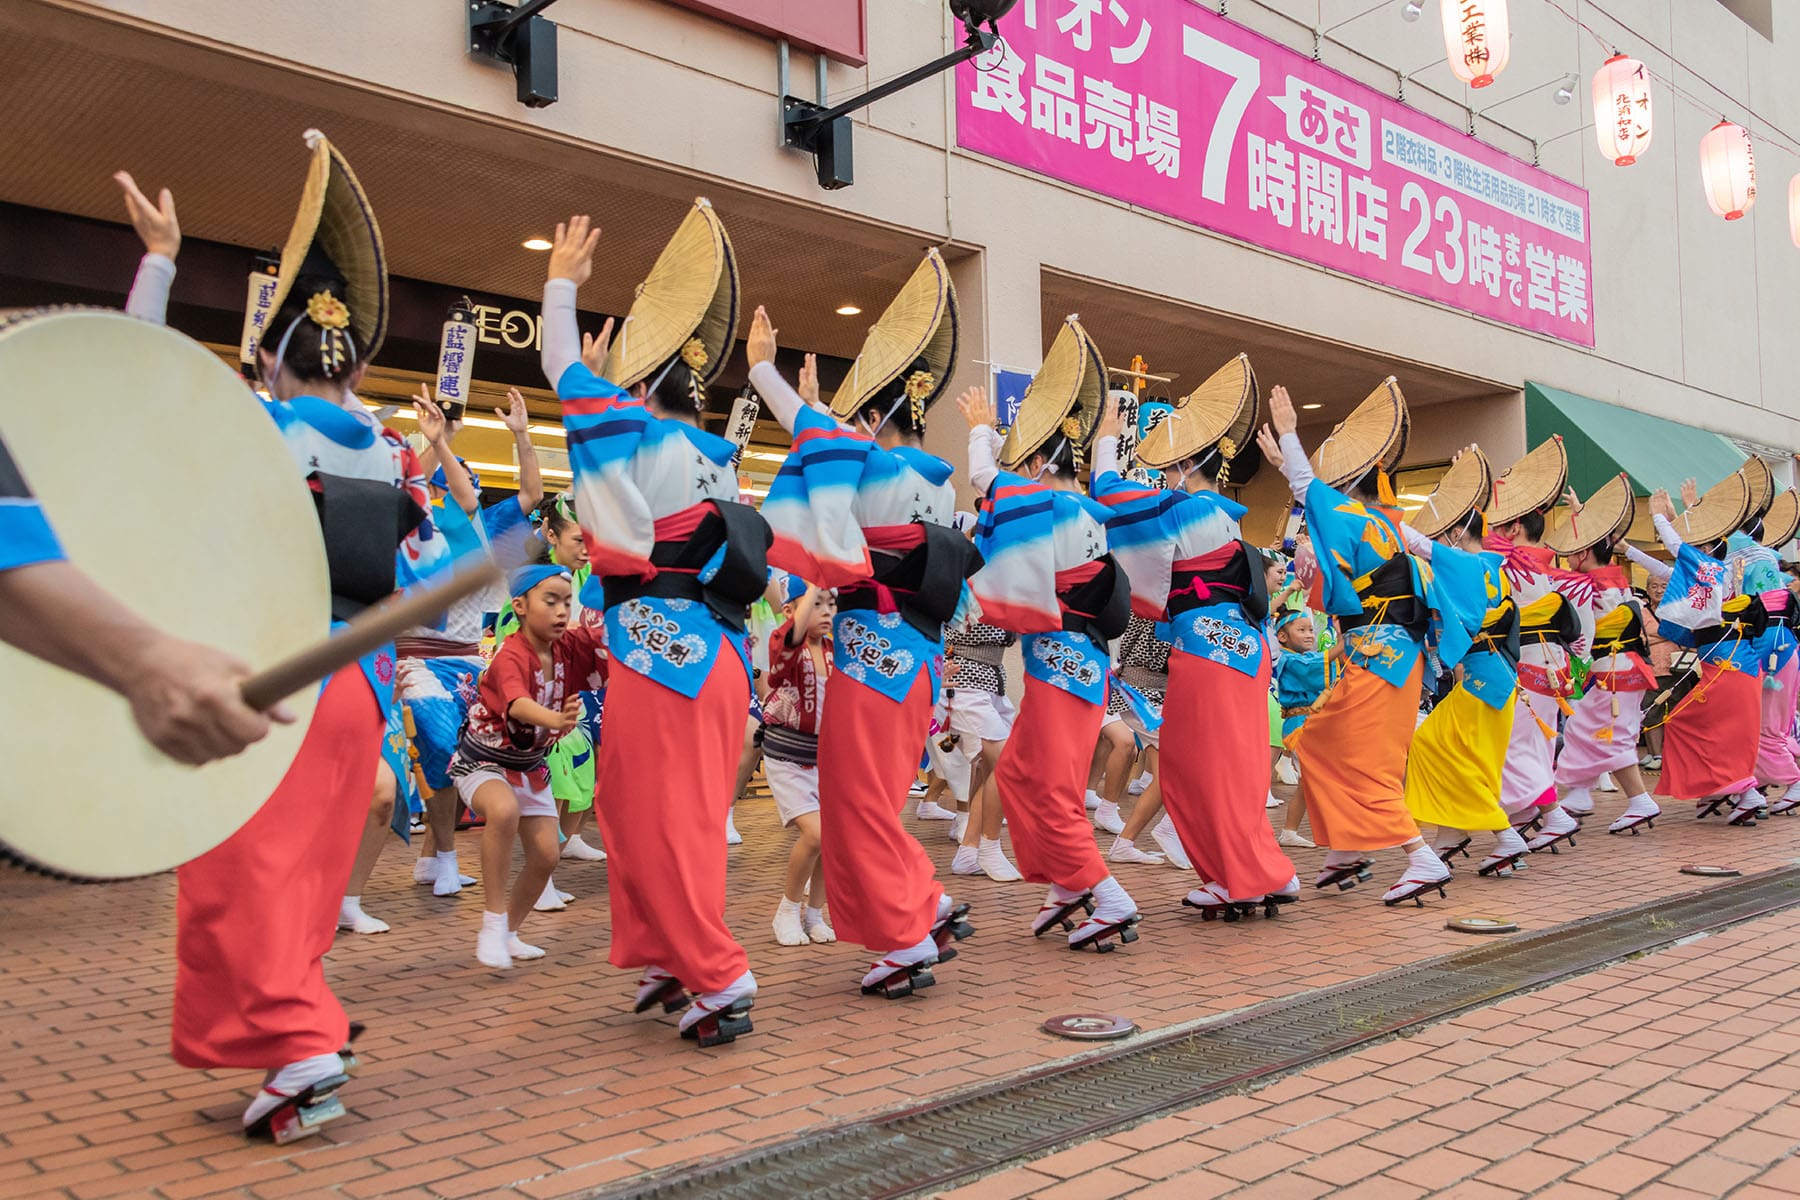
(526, 578)
(794, 589)
(1288, 618)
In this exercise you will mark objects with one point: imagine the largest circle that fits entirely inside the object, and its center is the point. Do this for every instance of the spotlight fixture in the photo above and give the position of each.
(536, 243)
(517, 37)
(848, 310)
(824, 132)
(1412, 10)
(1565, 89)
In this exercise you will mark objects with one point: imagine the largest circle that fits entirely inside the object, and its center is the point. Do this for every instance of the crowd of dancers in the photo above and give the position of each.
(1478, 671)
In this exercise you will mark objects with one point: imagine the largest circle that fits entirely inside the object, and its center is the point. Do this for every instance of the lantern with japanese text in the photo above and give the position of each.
(1476, 39)
(1794, 209)
(1622, 109)
(1728, 169)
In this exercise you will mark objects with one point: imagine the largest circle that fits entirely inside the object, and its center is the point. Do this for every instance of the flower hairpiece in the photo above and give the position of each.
(695, 355)
(920, 385)
(327, 311)
(1071, 427)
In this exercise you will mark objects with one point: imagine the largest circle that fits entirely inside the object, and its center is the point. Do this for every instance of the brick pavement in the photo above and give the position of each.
(542, 1083)
(1670, 1077)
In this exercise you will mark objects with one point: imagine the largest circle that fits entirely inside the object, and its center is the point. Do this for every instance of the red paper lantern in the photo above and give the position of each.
(1622, 109)
(1476, 39)
(1728, 169)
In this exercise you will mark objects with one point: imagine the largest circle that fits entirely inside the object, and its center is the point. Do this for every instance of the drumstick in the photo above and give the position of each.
(369, 631)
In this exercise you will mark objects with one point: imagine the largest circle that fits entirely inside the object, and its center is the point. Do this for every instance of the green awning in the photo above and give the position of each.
(1603, 439)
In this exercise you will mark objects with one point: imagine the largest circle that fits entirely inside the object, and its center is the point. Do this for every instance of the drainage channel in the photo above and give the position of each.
(951, 1140)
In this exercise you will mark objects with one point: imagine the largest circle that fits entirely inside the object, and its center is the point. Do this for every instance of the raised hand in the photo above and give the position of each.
(1281, 412)
(155, 223)
(1573, 501)
(514, 416)
(760, 346)
(1661, 505)
(431, 417)
(808, 386)
(1270, 445)
(977, 409)
(1111, 423)
(1690, 493)
(594, 347)
(572, 250)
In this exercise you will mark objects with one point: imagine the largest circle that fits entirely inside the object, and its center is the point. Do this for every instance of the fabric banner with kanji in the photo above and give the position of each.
(1166, 105)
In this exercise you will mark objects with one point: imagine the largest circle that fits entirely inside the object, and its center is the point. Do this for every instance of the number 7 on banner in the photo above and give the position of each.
(1245, 72)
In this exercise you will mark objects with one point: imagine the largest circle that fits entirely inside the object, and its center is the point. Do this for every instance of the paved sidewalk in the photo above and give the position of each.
(1674, 1077)
(541, 1082)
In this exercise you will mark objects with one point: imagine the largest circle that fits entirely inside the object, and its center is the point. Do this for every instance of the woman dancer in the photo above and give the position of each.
(1601, 733)
(1048, 577)
(865, 510)
(1459, 750)
(1352, 750)
(676, 562)
(1780, 655)
(249, 991)
(1189, 565)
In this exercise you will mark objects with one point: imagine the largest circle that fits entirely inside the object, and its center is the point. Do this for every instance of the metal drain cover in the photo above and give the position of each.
(1090, 1027)
(1711, 872)
(1481, 925)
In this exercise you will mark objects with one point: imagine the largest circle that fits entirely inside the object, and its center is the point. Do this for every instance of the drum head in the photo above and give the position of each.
(169, 485)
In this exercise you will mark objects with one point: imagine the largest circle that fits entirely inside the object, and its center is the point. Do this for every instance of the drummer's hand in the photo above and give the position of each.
(186, 700)
(155, 223)
(572, 253)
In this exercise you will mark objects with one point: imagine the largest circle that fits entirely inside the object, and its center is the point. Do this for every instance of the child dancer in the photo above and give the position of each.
(799, 665)
(528, 698)
(1299, 682)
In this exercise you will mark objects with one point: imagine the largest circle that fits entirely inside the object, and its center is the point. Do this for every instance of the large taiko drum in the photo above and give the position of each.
(171, 488)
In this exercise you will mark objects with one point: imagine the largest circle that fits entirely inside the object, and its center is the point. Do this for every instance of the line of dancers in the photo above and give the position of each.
(1115, 562)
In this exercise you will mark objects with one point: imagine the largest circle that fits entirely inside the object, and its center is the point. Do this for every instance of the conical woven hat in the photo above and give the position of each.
(1782, 521)
(1070, 385)
(922, 322)
(1373, 434)
(335, 214)
(1224, 409)
(1762, 485)
(1720, 511)
(1604, 516)
(1532, 485)
(691, 294)
(1460, 492)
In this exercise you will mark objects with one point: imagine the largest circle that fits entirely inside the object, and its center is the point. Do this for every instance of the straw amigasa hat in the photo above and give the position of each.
(1782, 521)
(1460, 492)
(1604, 517)
(1718, 514)
(1532, 485)
(922, 322)
(1063, 400)
(1373, 435)
(1223, 411)
(335, 233)
(1762, 486)
(688, 306)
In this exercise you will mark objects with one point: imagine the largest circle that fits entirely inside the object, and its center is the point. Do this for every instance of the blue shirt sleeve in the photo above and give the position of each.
(25, 534)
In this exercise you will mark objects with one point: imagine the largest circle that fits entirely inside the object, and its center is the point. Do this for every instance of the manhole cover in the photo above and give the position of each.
(1481, 925)
(1089, 1027)
(1711, 872)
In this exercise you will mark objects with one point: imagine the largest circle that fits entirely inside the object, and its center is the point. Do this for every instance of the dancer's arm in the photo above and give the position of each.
(759, 347)
(156, 224)
(571, 263)
(984, 438)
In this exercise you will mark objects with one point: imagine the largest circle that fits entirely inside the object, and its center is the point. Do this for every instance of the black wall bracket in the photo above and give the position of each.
(519, 38)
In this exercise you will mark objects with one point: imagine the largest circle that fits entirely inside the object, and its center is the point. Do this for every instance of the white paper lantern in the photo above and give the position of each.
(1728, 169)
(1794, 209)
(1476, 39)
(1622, 109)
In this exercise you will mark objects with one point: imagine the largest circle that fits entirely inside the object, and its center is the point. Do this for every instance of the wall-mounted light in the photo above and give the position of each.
(824, 132)
(1412, 10)
(1565, 89)
(519, 38)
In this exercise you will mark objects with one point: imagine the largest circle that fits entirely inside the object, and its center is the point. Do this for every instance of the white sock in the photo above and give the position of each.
(1111, 901)
(813, 916)
(1093, 798)
(493, 922)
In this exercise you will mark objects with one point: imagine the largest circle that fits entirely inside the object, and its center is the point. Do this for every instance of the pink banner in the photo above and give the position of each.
(1166, 105)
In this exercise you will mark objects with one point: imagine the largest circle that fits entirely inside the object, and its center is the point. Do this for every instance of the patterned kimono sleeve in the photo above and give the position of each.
(1694, 598)
(1457, 590)
(1016, 586)
(606, 429)
(1336, 525)
(1142, 540)
(810, 504)
(425, 553)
